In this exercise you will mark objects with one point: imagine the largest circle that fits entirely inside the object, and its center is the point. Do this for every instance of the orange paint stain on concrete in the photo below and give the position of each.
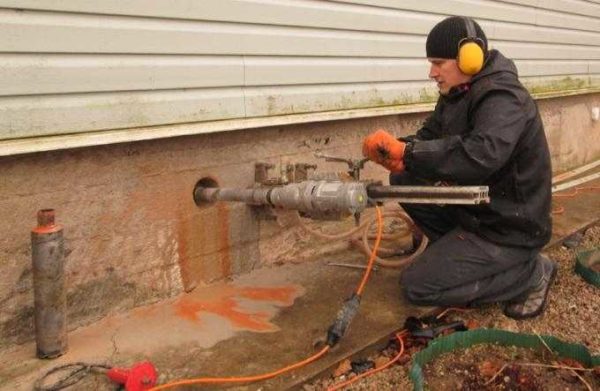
(226, 307)
(284, 295)
(225, 303)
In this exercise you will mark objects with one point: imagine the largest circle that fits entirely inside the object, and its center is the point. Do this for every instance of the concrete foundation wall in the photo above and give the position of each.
(134, 235)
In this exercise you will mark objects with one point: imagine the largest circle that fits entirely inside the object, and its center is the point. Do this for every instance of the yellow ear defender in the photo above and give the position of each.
(470, 51)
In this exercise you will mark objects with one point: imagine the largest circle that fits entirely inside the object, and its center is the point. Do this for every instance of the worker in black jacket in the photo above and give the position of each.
(485, 130)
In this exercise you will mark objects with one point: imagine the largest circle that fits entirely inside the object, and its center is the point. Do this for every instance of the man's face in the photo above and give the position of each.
(446, 73)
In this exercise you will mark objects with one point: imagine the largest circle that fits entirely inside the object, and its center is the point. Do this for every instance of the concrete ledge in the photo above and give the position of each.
(579, 211)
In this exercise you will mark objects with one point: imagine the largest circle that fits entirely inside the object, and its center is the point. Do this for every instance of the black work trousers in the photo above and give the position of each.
(459, 267)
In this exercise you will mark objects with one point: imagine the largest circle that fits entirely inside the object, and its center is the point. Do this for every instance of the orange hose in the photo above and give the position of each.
(402, 261)
(372, 371)
(371, 262)
(364, 247)
(321, 235)
(265, 376)
(269, 375)
(399, 335)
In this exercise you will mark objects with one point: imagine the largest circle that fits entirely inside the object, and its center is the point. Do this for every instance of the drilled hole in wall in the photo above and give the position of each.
(203, 183)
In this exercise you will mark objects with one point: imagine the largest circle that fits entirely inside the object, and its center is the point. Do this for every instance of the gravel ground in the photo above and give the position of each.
(491, 367)
(573, 305)
(571, 315)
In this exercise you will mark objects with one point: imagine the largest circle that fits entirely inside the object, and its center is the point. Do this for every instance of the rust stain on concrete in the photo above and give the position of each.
(203, 245)
(223, 219)
(188, 270)
(248, 308)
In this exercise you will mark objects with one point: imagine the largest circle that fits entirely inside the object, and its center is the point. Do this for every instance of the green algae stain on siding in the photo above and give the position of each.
(565, 84)
(274, 105)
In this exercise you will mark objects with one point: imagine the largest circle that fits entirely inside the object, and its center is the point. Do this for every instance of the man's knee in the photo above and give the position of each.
(420, 297)
(416, 287)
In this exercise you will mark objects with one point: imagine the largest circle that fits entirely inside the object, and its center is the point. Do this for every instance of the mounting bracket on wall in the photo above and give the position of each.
(289, 173)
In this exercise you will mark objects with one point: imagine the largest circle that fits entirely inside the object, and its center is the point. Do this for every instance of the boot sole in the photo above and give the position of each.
(542, 307)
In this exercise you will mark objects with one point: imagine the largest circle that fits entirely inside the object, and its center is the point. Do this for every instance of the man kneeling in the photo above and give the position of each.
(485, 130)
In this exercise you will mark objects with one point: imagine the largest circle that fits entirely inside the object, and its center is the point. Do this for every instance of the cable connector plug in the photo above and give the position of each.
(343, 319)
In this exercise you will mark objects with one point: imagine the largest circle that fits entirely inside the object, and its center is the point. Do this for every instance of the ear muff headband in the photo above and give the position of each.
(470, 51)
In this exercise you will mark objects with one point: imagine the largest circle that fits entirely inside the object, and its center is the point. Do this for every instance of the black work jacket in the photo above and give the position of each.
(489, 132)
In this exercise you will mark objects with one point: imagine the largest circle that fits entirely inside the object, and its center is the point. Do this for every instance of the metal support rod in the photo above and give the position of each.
(50, 299)
(465, 195)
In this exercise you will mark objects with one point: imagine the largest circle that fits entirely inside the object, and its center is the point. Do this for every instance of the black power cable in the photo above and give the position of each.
(75, 373)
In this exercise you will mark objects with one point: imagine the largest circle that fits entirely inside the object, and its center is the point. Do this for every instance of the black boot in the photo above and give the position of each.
(533, 302)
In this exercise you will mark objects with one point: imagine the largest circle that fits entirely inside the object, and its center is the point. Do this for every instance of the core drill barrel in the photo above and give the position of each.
(50, 300)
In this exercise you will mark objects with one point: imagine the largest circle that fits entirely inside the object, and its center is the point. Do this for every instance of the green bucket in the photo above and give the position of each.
(586, 261)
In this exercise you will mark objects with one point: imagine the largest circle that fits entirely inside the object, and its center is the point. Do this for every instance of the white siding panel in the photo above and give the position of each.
(44, 74)
(548, 18)
(552, 68)
(524, 51)
(69, 33)
(304, 13)
(493, 10)
(472, 8)
(278, 71)
(530, 3)
(580, 7)
(24, 74)
(31, 116)
(75, 66)
(281, 100)
(309, 12)
(564, 82)
(525, 33)
(35, 115)
(320, 14)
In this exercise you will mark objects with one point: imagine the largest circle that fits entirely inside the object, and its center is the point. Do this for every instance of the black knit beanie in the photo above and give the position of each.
(443, 39)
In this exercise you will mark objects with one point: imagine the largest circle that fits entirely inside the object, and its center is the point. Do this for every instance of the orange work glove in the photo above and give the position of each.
(382, 148)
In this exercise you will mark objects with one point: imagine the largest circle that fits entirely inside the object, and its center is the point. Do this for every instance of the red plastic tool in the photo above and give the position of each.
(140, 377)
